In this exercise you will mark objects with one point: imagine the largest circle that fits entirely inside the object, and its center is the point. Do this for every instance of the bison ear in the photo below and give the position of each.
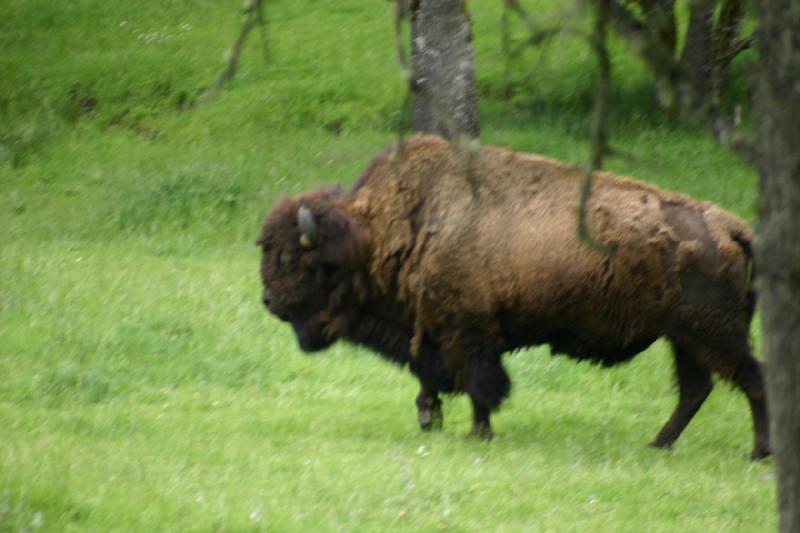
(341, 241)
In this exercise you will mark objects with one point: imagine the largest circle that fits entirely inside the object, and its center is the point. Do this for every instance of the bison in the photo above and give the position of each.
(445, 268)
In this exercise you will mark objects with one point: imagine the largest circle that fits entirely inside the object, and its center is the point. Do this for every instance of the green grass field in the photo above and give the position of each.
(143, 387)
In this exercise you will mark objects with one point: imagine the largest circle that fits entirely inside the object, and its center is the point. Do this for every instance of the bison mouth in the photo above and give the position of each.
(311, 336)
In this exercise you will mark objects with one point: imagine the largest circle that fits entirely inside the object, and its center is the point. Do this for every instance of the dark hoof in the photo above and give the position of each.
(482, 432)
(760, 453)
(430, 419)
(661, 445)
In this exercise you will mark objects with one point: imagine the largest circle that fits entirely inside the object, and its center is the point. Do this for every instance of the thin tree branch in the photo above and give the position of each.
(402, 9)
(253, 15)
(598, 134)
(659, 56)
(535, 39)
(537, 35)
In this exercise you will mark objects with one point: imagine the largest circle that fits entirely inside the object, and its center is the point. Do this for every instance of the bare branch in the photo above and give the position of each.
(600, 112)
(402, 9)
(726, 33)
(598, 126)
(537, 35)
(741, 45)
(253, 15)
(537, 38)
(505, 46)
(658, 53)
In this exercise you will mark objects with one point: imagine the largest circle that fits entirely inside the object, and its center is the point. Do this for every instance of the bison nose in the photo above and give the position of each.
(267, 298)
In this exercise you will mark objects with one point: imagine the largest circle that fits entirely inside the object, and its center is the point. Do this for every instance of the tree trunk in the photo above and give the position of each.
(445, 99)
(697, 59)
(778, 243)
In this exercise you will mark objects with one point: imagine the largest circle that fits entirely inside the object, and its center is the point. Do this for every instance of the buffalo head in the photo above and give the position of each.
(310, 248)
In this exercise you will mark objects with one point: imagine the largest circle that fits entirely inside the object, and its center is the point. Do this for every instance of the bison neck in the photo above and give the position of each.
(382, 332)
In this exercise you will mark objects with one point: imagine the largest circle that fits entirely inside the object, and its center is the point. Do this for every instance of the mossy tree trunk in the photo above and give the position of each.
(445, 99)
(778, 243)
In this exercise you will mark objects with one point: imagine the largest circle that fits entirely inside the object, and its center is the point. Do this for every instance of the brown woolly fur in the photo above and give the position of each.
(444, 273)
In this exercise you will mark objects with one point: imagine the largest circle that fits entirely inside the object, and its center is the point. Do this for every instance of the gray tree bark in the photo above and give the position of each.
(445, 99)
(778, 242)
(698, 57)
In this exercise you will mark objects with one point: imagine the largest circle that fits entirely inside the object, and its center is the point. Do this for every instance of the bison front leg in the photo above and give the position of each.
(487, 385)
(481, 423)
(429, 409)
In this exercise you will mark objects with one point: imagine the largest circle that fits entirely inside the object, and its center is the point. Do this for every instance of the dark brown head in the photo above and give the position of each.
(310, 248)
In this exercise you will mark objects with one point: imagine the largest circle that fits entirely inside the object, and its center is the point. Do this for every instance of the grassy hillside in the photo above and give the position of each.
(142, 387)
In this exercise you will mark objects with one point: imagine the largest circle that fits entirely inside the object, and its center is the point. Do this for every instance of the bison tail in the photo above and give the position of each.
(745, 242)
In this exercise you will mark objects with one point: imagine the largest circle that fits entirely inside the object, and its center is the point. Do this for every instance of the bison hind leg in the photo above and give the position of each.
(732, 360)
(694, 386)
(747, 375)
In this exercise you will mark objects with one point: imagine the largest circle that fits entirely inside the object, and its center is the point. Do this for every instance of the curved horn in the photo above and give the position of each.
(308, 227)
